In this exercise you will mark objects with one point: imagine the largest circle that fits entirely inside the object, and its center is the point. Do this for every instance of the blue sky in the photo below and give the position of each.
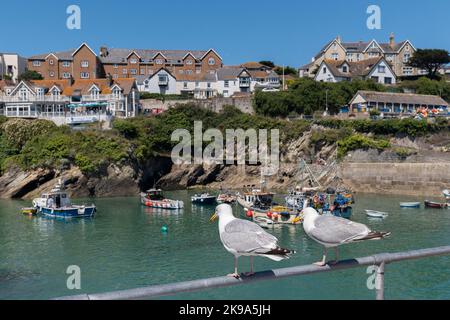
(286, 31)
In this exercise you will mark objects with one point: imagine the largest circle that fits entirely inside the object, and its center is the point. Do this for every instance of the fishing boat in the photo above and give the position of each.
(204, 198)
(256, 200)
(412, 205)
(376, 214)
(57, 204)
(435, 205)
(154, 198)
(277, 215)
(227, 198)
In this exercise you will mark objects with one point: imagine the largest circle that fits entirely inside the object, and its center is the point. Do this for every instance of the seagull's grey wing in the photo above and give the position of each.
(247, 237)
(335, 230)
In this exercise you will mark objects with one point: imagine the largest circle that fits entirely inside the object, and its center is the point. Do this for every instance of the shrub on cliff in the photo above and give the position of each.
(359, 141)
(19, 131)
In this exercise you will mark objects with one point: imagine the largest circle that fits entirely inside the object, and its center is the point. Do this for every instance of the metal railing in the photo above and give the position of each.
(379, 260)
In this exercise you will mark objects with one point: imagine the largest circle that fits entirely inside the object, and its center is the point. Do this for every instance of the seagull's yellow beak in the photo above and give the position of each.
(214, 217)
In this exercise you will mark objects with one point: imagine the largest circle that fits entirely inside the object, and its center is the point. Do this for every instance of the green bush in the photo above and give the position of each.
(358, 141)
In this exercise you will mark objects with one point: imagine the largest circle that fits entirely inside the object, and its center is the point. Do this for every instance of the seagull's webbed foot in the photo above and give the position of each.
(320, 264)
(333, 263)
(249, 274)
(234, 275)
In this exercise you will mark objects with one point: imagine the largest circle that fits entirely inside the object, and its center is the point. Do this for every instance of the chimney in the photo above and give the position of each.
(392, 40)
(110, 79)
(104, 52)
(338, 39)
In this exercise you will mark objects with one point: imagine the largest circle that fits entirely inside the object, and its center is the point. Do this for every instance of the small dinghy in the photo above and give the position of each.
(376, 214)
(414, 205)
(435, 205)
(29, 211)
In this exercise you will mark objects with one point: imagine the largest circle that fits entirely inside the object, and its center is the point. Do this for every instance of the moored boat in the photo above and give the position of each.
(376, 214)
(413, 205)
(204, 198)
(435, 205)
(29, 211)
(57, 204)
(446, 193)
(256, 200)
(227, 198)
(154, 198)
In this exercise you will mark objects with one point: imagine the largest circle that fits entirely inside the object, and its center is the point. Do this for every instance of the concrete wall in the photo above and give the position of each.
(418, 179)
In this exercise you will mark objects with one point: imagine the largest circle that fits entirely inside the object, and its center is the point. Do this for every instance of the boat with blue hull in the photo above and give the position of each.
(57, 204)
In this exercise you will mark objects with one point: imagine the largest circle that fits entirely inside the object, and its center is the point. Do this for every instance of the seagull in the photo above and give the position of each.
(331, 232)
(246, 238)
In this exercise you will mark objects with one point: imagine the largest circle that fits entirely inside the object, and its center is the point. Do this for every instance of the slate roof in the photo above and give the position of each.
(401, 98)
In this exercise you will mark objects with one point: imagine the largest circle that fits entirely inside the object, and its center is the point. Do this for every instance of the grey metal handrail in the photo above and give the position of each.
(379, 260)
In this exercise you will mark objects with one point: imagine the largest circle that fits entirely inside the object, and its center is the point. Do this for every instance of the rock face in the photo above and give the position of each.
(362, 170)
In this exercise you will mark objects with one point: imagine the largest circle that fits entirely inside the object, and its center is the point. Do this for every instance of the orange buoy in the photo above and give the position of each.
(249, 213)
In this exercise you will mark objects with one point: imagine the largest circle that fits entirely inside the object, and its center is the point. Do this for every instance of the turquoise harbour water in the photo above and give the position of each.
(123, 248)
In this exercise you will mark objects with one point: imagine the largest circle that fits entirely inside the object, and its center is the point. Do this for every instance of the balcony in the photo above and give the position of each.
(34, 99)
(101, 97)
(244, 82)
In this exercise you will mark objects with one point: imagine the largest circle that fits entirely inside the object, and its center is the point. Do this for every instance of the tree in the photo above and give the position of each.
(30, 75)
(430, 60)
(269, 64)
(287, 71)
(6, 77)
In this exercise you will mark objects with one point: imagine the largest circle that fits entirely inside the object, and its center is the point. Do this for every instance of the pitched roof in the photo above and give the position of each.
(61, 55)
(355, 69)
(117, 55)
(401, 98)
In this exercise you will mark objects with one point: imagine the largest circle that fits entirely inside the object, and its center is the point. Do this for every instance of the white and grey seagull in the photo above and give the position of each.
(331, 232)
(246, 238)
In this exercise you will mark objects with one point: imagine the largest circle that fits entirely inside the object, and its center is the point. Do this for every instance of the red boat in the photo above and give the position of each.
(435, 205)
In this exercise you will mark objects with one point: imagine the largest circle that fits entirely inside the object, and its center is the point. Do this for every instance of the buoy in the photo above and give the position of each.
(165, 229)
(249, 213)
(269, 214)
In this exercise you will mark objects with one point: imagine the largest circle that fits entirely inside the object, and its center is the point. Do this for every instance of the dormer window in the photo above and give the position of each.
(159, 61)
(23, 94)
(51, 62)
(133, 61)
(381, 69)
(55, 92)
(117, 93)
(189, 62)
(335, 56)
(344, 69)
(95, 93)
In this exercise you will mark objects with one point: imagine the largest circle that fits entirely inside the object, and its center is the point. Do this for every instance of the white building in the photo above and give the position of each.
(162, 82)
(377, 69)
(12, 65)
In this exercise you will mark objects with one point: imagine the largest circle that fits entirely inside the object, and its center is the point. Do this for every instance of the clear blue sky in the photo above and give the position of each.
(285, 31)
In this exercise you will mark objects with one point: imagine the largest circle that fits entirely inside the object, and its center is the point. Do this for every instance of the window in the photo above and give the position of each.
(142, 71)
(124, 71)
(85, 64)
(406, 57)
(189, 72)
(115, 76)
(189, 62)
(133, 61)
(40, 92)
(51, 74)
(227, 84)
(84, 75)
(66, 64)
(181, 71)
(95, 93)
(350, 57)
(36, 63)
(381, 69)
(51, 62)
(324, 70)
(23, 94)
(374, 79)
(388, 80)
(358, 57)
(211, 61)
(390, 57)
(117, 93)
(344, 69)
(373, 54)
(66, 75)
(133, 71)
(335, 56)
(197, 84)
(209, 85)
(116, 66)
(225, 93)
(407, 71)
(185, 85)
(159, 61)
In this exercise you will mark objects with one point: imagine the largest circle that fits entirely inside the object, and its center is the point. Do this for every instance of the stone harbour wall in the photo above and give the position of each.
(415, 179)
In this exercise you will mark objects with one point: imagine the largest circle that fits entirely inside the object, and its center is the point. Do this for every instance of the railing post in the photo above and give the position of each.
(379, 282)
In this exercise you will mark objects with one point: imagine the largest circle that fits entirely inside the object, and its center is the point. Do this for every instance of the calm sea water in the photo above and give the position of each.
(123, 247)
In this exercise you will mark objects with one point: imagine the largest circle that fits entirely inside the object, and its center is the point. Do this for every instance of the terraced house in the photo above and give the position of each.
(396, 54)
(70, 101)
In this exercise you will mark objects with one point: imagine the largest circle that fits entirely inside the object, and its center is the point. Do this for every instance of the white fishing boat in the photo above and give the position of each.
(446, 193)
(376, 214)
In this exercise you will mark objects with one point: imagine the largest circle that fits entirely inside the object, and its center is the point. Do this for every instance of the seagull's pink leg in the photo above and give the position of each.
(235, 274)
(324, 259)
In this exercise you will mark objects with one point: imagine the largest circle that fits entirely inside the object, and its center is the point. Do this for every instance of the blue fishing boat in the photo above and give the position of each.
(57, 204)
